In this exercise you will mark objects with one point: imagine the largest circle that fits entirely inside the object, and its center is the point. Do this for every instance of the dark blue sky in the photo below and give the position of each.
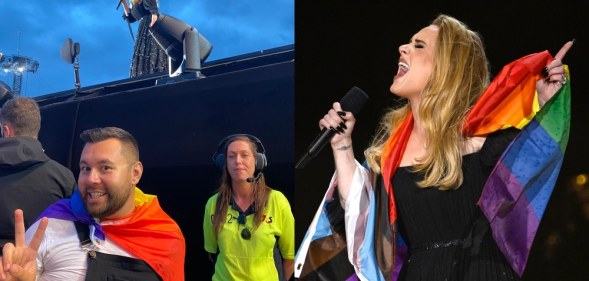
(37, 29)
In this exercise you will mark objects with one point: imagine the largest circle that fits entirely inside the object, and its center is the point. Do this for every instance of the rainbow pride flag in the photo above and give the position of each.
(519, 188)
(149, 233)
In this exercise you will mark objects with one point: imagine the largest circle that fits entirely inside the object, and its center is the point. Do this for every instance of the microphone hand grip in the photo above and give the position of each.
(353, 101)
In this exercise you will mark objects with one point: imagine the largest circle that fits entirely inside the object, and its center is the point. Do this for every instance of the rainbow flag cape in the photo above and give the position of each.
(149, 233)
(513, 199)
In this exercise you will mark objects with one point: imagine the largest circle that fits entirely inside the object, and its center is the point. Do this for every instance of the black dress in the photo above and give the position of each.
(447, 234)
(148, 56)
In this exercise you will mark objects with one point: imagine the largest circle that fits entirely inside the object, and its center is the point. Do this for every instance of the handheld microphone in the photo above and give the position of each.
(353, 101)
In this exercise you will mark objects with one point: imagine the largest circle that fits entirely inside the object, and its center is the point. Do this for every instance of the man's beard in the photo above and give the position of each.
(114, 203)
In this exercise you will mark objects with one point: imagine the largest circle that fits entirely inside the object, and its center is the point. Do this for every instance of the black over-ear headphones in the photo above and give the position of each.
(219, 157)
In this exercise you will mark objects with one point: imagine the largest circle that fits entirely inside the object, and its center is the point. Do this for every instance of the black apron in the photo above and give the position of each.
(105, 267)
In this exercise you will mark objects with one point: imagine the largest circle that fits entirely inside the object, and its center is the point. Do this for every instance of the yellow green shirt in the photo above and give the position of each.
(253, 259)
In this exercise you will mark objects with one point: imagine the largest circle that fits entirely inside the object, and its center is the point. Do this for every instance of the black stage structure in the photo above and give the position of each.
(178, 124)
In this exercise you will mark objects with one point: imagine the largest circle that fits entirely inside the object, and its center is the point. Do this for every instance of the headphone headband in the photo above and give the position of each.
(219, 157)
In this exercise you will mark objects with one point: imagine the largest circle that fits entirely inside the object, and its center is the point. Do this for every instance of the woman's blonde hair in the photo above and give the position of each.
(459, 76)
(260, 189)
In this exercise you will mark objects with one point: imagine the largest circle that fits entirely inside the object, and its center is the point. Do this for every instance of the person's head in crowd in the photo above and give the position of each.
(20, 117)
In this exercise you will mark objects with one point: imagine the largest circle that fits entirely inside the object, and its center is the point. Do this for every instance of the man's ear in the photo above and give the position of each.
(7, 131)
(137, 171)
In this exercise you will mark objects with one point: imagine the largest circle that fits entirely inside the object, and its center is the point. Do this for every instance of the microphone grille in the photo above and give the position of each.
(354, 101)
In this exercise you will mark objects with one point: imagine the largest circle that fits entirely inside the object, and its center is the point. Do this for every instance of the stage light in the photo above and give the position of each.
(18, 65)
(186, 48)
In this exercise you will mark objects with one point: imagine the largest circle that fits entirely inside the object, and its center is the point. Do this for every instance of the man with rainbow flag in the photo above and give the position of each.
(108, 230)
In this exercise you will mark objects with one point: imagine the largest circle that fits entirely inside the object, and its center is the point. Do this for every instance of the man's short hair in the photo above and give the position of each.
(23, 116)
(100, 134)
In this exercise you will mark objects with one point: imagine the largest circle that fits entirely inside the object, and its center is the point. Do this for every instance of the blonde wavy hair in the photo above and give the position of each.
(459, 76)
(260, 189)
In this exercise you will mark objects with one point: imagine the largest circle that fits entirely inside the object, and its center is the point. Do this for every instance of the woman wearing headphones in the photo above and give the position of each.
(248, 227)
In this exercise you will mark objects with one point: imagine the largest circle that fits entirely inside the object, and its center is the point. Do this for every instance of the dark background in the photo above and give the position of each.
(343, 44)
